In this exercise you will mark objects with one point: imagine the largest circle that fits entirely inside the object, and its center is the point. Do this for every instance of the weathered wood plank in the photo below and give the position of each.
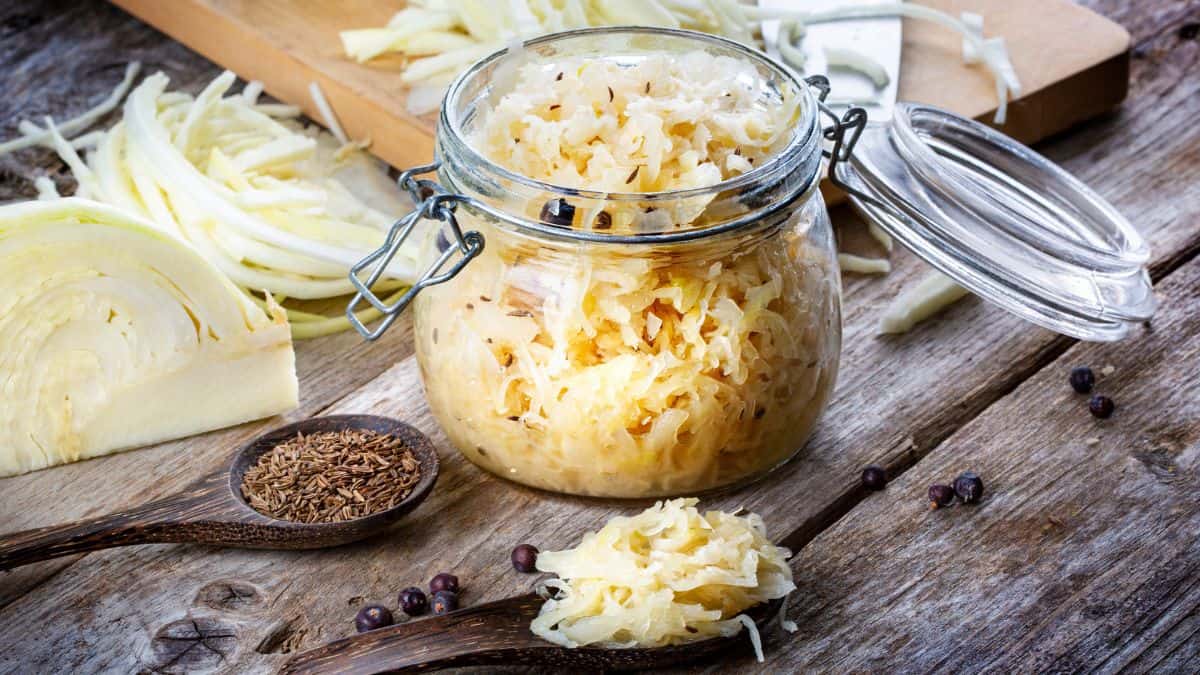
(132, 596)
(1082, 555)
(59, 58)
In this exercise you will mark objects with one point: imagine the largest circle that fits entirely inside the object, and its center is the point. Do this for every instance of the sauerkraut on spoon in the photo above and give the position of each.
(669, 575)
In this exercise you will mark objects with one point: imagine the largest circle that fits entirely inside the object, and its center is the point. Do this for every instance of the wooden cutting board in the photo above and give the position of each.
(1073, 63)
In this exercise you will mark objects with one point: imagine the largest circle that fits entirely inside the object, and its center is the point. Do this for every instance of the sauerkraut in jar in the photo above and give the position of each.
(657, 307)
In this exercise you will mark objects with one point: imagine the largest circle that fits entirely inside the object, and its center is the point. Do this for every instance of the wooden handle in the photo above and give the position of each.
(118, 529)
(172, 519)
(496, 632)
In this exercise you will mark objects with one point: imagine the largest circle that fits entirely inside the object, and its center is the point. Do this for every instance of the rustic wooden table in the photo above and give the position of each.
(1083, 556)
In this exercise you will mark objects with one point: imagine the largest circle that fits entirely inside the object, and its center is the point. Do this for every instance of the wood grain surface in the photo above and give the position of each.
(1083, 553)
(902, 402)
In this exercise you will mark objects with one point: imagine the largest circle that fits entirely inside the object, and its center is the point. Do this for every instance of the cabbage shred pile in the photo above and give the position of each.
(668, 575)
(662, 123)
(443, 37)
(280, 208)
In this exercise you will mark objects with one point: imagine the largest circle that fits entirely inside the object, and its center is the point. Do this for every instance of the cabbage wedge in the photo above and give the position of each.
(114, 334)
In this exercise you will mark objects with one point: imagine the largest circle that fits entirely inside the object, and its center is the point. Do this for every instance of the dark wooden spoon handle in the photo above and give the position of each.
(496, 632)
(171, 519)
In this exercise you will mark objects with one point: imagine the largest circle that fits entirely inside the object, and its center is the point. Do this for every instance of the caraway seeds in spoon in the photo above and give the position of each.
(331, 476)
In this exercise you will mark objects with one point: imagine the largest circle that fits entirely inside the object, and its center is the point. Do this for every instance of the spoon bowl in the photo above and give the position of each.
(213, 511)
(275, 533)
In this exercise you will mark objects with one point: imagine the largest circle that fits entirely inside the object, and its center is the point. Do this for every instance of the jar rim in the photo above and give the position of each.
(804, 141)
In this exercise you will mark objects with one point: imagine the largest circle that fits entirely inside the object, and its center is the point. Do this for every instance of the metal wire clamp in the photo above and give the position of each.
(429, 201)
(843, 133)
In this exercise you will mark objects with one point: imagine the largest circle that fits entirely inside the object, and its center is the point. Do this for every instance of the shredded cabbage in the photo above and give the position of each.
(327, 116)
(32, 135)
(841, 57)
(927, 298)
(668, 575)
(46, 188)
(664, 123)
(607, 370)
(277, 207)
(555, 381)
(451, 34)
(856, 263)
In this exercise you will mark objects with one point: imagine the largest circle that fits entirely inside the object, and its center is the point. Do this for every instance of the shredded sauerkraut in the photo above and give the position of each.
(664, 123)
(633, 370)
(668, 575)
(934, 293)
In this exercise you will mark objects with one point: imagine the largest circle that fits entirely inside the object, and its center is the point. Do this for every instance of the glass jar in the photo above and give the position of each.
(689, 346)
(653, 344)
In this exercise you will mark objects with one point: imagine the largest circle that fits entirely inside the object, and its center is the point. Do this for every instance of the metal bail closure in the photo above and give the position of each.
(996, 217)
(429, 201)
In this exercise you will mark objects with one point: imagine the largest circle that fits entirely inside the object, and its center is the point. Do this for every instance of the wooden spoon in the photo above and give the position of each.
(496, 633)
(213, 511)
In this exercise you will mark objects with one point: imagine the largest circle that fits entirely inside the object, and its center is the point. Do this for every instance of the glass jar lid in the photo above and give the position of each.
(998, 218)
